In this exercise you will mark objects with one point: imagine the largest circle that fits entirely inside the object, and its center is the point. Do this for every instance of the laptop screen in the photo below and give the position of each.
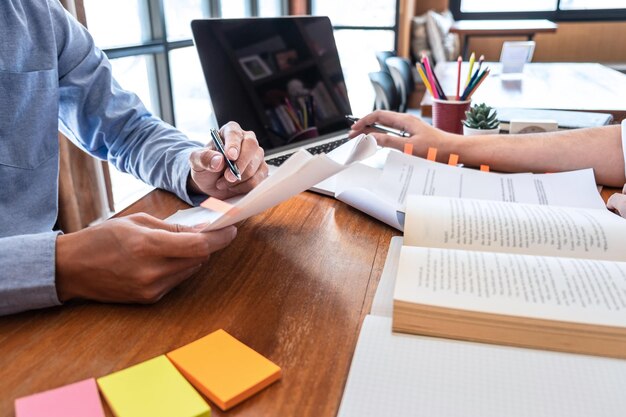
(280, 77)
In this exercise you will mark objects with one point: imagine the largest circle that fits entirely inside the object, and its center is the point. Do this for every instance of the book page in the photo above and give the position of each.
(514, 228)
(566, 289)
(405, 175)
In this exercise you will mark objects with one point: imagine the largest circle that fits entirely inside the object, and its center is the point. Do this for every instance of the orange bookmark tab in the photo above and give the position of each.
(408, 148)
(484, 168)
(215, 204)
(224, 369)
(432, 154)
(453, 160)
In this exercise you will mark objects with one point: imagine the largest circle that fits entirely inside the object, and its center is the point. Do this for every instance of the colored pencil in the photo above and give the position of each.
(480, 80)
(458, 78)
(480, 62)
(468, 87)
(424, 79)
(431, 78)
(471, 66)
(441, 93)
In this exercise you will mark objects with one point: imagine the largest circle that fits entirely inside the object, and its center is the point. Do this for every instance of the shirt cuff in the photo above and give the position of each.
(27, 275)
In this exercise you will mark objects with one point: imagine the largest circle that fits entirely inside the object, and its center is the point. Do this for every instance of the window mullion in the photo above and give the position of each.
(216, 10)
(253, 7)
(161, 61)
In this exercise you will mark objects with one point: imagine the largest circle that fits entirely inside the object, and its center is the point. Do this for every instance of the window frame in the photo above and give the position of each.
(557, 15)
(394, 28)
(159, 47)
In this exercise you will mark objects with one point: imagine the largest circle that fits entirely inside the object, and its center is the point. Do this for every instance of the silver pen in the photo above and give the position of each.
(217, 141)
(382, 128)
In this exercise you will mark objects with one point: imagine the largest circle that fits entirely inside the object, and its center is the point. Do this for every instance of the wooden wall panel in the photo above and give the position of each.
(573, 41)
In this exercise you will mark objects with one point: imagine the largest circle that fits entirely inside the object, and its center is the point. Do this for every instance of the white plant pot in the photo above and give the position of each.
(468, 131)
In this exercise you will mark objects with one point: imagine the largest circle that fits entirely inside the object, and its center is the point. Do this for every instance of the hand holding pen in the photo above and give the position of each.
(231, 164)
(381, 128)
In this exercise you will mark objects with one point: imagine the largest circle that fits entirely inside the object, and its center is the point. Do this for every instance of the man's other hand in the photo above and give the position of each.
(133, 259)
(209, 172)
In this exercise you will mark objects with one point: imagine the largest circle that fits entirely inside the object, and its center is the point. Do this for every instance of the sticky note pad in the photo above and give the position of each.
(80, 399)
(153, 388)
(216, 205)
(224, 369)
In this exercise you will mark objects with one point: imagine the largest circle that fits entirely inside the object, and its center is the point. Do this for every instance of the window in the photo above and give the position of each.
(556, 10)
(150, 46)
(362, 27)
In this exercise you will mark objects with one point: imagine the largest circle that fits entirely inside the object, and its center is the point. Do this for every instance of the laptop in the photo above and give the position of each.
(279, 77)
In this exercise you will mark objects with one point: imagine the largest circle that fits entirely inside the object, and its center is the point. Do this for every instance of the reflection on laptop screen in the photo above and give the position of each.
(280, 77)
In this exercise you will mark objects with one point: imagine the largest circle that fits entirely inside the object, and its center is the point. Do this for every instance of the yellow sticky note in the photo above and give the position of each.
(153, 388)
(224, 369)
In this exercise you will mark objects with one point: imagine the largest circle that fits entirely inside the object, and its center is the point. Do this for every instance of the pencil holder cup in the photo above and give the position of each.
(449, 114)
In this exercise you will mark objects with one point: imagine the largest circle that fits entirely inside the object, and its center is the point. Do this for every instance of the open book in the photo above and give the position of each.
(399, 374)
(520, 274)
(382, 193)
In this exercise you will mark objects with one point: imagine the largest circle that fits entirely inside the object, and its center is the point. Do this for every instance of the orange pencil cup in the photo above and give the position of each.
(448, 115)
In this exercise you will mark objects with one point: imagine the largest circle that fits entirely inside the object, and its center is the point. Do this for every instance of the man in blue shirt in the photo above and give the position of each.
(52, 77)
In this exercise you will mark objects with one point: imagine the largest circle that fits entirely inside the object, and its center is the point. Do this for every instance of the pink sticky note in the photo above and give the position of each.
(75, 400)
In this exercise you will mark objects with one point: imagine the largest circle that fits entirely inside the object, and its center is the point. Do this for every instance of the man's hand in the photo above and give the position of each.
(209, 173)
(423, 136)
(133, 259)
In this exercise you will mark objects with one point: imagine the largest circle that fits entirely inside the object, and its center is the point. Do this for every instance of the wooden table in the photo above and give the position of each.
(526, 28)
(294, 285)
(557, 86)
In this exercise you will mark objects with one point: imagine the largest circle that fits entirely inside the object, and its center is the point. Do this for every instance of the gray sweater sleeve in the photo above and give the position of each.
(27, 273)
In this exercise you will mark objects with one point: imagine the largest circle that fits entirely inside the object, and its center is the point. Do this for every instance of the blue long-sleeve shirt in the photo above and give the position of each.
(52, 77)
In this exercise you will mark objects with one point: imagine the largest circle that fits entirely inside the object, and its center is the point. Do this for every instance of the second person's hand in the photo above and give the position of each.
(423, 135)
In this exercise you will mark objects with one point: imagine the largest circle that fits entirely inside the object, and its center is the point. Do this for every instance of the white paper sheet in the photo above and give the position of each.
(297, 174)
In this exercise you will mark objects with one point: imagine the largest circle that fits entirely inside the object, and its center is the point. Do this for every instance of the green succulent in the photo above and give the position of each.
(481, 116)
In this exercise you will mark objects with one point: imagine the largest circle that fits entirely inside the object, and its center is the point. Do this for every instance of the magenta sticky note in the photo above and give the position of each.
(75, 400)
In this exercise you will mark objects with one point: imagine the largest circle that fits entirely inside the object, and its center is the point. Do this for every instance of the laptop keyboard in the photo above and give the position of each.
(323, 148)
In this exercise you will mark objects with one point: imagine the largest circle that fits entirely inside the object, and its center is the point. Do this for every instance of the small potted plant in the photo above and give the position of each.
(481, 120)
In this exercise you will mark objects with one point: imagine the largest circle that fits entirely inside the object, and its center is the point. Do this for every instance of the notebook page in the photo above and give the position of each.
(406, 375)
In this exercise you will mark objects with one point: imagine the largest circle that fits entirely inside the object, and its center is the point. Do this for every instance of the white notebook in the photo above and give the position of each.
(406, 375)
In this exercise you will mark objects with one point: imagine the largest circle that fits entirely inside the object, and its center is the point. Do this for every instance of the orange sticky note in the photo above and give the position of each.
(484, 168)
(216, 205)
(453, 160)
(432, 154)
(224, 369)
(408, 148)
